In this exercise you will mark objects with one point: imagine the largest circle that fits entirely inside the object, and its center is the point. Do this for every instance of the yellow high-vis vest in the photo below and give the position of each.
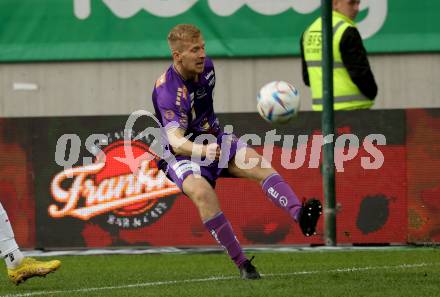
(347, 95)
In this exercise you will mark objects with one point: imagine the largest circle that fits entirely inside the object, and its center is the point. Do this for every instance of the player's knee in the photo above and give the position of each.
(203, 197)
(200, 195)
(260, 173)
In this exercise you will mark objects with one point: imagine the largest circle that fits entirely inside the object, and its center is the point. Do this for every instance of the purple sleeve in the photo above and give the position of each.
(172, 107)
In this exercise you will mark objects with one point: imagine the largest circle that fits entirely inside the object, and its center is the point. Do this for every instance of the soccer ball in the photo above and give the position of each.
(278, 102)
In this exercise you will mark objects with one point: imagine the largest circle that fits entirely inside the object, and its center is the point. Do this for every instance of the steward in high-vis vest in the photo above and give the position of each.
(354, 86)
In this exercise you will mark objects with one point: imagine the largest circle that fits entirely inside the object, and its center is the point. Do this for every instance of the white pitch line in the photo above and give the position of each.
(221, 278)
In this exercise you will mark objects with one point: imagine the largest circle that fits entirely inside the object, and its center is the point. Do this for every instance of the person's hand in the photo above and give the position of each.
(213, 151)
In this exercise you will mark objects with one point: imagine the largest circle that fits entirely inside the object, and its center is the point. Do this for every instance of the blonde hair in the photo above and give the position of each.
(182, 32)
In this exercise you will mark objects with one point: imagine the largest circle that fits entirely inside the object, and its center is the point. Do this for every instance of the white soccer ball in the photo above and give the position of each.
(278, 102)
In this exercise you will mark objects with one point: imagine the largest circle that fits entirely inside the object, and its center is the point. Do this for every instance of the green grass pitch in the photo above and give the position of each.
(388, 272)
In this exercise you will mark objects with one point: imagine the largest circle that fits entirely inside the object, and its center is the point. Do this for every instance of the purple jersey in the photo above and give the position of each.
(188, 103)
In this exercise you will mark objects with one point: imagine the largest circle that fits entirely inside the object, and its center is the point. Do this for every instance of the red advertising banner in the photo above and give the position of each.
(423, 174)
(74, 200)
(109, 205)
(16, 179)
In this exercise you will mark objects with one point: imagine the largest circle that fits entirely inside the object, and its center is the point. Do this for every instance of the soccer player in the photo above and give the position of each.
(183, 102)
(20, 268)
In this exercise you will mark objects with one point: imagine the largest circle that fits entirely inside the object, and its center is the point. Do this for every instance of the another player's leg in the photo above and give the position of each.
(205, 199)
(280, 193)
(19, 267)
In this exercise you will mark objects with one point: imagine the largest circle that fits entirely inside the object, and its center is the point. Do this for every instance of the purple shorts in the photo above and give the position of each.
(180, 167)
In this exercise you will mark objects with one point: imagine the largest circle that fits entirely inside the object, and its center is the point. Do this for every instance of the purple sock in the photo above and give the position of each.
(221, 230)
(280, 193)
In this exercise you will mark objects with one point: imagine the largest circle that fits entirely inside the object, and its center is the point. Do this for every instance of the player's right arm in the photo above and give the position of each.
(184, 147)
(174, 110)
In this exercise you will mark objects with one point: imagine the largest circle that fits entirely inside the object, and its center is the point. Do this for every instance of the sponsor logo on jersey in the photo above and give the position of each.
(200, 93)
(207, 76)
